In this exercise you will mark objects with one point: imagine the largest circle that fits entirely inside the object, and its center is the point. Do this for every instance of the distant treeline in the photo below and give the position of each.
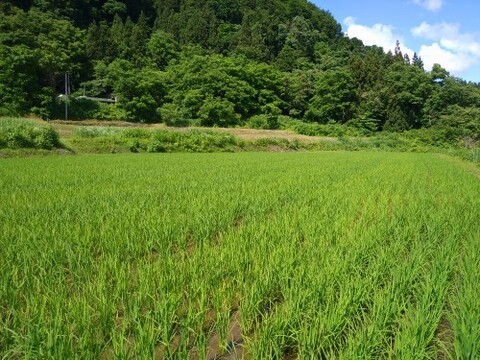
(218, 63)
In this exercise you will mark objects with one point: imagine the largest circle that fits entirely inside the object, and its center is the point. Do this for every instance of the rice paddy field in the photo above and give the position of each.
(247, 255)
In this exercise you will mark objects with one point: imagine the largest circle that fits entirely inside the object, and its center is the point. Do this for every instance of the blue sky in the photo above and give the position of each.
(440, 31)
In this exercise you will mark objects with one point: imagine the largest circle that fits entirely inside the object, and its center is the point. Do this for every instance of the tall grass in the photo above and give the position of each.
(100, 139)
(20, 133)
(291, 255)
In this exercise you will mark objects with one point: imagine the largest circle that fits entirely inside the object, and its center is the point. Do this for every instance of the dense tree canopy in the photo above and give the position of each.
(218, 62)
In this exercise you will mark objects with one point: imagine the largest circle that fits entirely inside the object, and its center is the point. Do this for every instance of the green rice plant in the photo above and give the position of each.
(464, 318)
(296, 255)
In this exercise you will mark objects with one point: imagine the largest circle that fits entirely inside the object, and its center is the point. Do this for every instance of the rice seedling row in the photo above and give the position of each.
(248, 255)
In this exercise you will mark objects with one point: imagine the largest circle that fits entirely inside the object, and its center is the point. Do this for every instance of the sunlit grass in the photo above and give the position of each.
(293, 255)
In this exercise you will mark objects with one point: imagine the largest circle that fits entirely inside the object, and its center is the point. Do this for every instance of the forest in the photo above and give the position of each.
(222, 63)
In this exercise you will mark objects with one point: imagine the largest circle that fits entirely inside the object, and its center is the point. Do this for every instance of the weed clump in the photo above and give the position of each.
(20, 133)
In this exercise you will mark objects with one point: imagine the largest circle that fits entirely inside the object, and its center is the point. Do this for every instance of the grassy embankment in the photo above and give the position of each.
(89, 137)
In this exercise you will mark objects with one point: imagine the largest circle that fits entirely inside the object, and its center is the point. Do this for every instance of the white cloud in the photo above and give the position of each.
(443, 43)
(431, 5)
(453, 62)
(455, 51)
(379, 34)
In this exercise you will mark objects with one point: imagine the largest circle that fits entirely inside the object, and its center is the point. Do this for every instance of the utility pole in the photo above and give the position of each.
(66, 97)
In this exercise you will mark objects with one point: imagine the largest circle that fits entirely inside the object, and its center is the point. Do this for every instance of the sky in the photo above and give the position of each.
(446, 32)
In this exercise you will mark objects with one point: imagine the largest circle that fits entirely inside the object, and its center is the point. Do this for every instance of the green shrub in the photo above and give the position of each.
(315, 129)
(432, 137)
(387, 140)
(21, 133)
(81, 109)
(190, 141)
(264, 121)
(218, 112)
(279, 142)
(110, 112)
(366, 125)
(171, 115)
(136, 133)
(6, 111)
(46, 138)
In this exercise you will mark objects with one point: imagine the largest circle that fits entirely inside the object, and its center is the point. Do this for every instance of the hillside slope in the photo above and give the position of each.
(218, 63)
